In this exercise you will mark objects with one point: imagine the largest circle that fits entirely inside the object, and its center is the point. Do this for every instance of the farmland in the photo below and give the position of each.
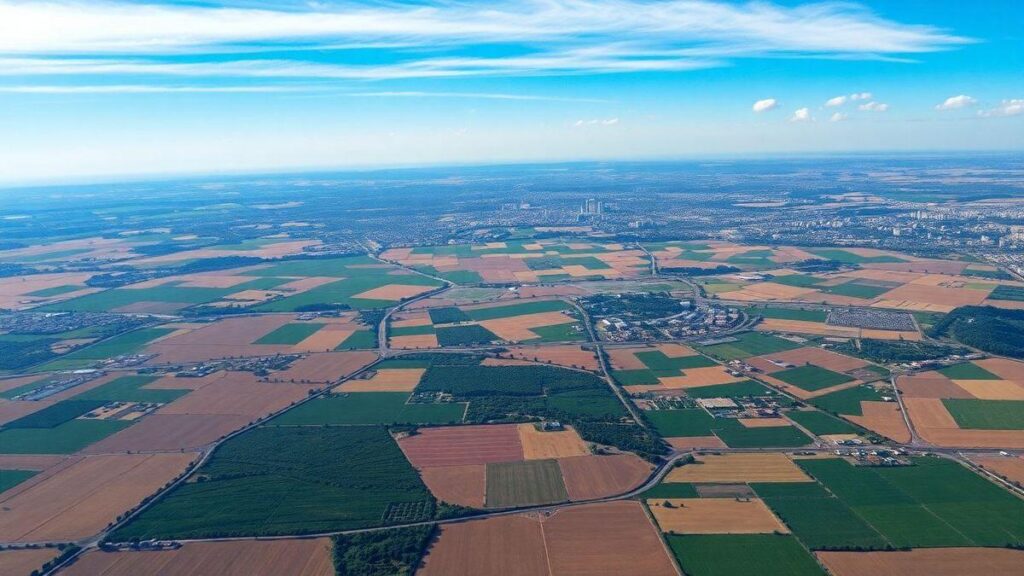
(311, 481)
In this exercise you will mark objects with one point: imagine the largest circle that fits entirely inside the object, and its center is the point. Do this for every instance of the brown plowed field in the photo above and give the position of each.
(328, 367)
(882, 418)
(415, 341)
(992, 389)
(306, 557)
(625, 358)
(226, 338)
(689, 442)
(393, 292)
(506, 545)
(611, 538)
(238, 393)
(589, 477)
(539, 445)
(461, 445)
(1003, 367)
(930, 385)
(715, 516)
(764, 422)
(563, 355)
(676, 350)
(517, 328)
(170, 432)
(1010, 467)
(929, 413)
(818, 357)
(11, 383)
(25, 562)
(326, 339)
(462, 485)
(387, 380)
(697, 377)
(926, 562)
(79, 500)
(732, 468)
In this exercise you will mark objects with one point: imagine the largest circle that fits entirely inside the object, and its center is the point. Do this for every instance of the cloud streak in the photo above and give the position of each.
(553, 37)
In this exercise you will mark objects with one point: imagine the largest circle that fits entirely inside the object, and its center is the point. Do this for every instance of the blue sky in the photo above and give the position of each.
(93, 89)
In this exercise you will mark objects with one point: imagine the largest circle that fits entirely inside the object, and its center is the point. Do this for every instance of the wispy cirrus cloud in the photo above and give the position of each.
(552, 37)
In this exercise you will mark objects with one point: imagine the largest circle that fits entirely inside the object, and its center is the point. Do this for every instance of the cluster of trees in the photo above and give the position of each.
(694, 271)
(899, 351)
(386, 553)
(994, 330)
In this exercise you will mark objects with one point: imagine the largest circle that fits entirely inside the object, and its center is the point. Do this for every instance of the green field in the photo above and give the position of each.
(55, 415)
(290, 334)
(184, 295)
(127, 343)
(788, 313)
(970, 413)
(747, 345)
(447, 315)
(364, 408)
(1003, 292)
(846, 401)
(697, 422)
(742, 555)
(559, 333)
(735, 390)
(670, 490)
(840, 255)
(55, 291)
(933, 503)
(821, 423)
(657, 360)
(359, 340)
(291, 481)
(818, 519)
(798, 280)
(526, 483)
(131, 389)
(464, 335)
(65, 438)
(967, 371)
(411, 330)
(11, 478)
(857, 289)
(511, 310)
(635, 377)
(811, 377)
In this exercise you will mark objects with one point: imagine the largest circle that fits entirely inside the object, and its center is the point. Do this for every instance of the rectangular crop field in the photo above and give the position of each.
(749, 344)
(526, 483)
(742, 555)
(292, 333)
(986, 414)
(316, 479)
(369, 408)
(818, 519)
(811, 378)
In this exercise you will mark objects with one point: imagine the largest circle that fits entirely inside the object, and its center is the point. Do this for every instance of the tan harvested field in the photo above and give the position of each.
(926, 562)
(539, 445)
(230, 337)
(607, 539)
(461, 445)
(1011, 468)
(923, 294)
(805, 327)
(462, 485)
(326, 367)
(562, 355)
(690, 442)
(13, 289)
(415, 341)
(26, 561)
(170, 432)
(764, 422)
(506, 362)
(517, 328)
(675, 350)
(715, 516)
(882, 418)
(326, 339)
(276, 250)
(889, 334)
(935, 424)
(769, 291)
(739, 468)
(930, 385)
(78, 500)
(410, 319)
(300, 557)
(386, 380)
(507, 545)
(305, 284)
(818, 357)
(1003, 367)
(238, 393)
(992, 389)
(589, 477)
(697, 377)
(393, 292)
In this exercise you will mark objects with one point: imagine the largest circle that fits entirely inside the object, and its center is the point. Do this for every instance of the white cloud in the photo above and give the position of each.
(837, 101)
(873, 107)
(1012, 107)
(597, 122)
(837, 117)
(956, 102)
(801, 115)
(765, 105)
(558, 36)
(861, 96)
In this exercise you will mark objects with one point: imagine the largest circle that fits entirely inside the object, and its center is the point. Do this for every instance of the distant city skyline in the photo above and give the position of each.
(92, 89)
